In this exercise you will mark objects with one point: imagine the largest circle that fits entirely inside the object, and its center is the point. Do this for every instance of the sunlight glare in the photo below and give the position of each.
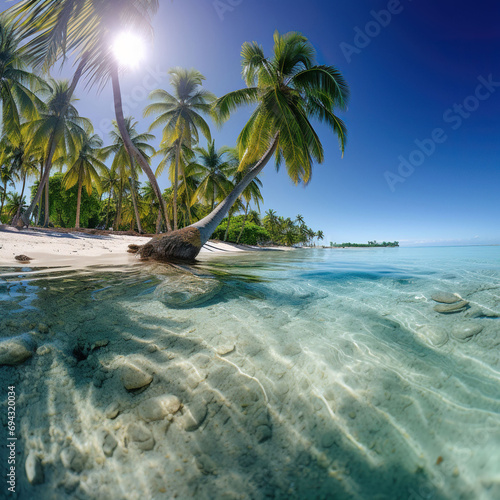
(129, 49)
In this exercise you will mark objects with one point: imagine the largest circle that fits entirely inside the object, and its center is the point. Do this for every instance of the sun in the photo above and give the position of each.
(129, 49)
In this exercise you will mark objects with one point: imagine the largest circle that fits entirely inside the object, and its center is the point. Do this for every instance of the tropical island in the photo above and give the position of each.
(43, 130)
(370, 244)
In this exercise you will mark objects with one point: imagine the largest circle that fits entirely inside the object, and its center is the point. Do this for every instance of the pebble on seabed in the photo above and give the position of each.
(451, 308)
(446, 297)
(464, 331)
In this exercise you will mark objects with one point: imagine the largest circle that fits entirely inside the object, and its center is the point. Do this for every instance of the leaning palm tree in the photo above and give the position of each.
(87, 29)
(180, 114)
(289, 90)
(59, 127)
(124, 163)
(85, 169)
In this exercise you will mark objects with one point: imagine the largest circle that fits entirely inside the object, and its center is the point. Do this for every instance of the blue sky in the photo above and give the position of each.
(422, 160)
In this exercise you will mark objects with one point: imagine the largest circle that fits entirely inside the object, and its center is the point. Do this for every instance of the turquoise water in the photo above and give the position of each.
(304, 374)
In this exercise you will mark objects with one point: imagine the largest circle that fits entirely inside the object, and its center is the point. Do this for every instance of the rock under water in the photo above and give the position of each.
(464, 331)
(15, 350)
(451, 308)
(446, 297)
(186, 290)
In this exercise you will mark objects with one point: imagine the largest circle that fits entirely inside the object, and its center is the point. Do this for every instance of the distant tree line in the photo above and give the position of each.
(369, 244)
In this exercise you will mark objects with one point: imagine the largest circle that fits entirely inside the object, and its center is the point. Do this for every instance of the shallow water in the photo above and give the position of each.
(310, 374)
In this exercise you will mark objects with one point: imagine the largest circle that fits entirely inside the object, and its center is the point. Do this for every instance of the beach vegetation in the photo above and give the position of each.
(63, 204)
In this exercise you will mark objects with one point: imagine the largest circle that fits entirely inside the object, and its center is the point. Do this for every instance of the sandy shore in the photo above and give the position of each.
(53, 248)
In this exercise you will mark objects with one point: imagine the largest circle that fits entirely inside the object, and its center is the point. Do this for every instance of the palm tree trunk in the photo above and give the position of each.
(244, 222)
(186, 243)
(47, 207)
(78, 201)
(228, 223)
(129, 146)
(134, 203)
(107, 208)
(176, 176)
(158, 222)
(18, 213)
(119, 207)
(52, 147)
(4, 195)
(39, 214)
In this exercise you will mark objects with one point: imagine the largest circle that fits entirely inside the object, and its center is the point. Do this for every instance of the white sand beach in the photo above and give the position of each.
(79, 249)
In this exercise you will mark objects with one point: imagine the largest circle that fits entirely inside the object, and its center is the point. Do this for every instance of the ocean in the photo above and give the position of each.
(308, 374)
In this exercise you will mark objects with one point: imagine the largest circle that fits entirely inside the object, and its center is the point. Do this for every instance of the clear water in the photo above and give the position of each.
(311, 374)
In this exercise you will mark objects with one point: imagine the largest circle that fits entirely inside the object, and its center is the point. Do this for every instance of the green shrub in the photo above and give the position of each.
(252, 234)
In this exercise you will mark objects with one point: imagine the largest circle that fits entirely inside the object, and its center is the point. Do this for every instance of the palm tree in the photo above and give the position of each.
(86, 28)
(110, 183)
(180, 114)
(124, 163)
(215, 166)
(59, 128)
(179, 159)
(289, 90)
(15, 203)
(16, 96)
(320, 235)
(7, 175)
(149, 197)
(85, 169)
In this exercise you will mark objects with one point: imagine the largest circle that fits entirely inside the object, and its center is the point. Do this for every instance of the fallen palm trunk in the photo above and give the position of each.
(186, 243)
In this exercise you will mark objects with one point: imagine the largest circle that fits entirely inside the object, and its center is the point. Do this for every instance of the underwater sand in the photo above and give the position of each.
(306, 374)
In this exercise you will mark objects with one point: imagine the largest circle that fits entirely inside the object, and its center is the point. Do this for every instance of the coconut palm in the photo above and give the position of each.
(124, 163)
(85, 169)
(215, 166)
(110, 183)
(8, 174)
(179, 160)
(59, 127)
(149, 197)
(180, 114)
(16, 83)
(289, 90)
(14, 203)
(87, 29)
